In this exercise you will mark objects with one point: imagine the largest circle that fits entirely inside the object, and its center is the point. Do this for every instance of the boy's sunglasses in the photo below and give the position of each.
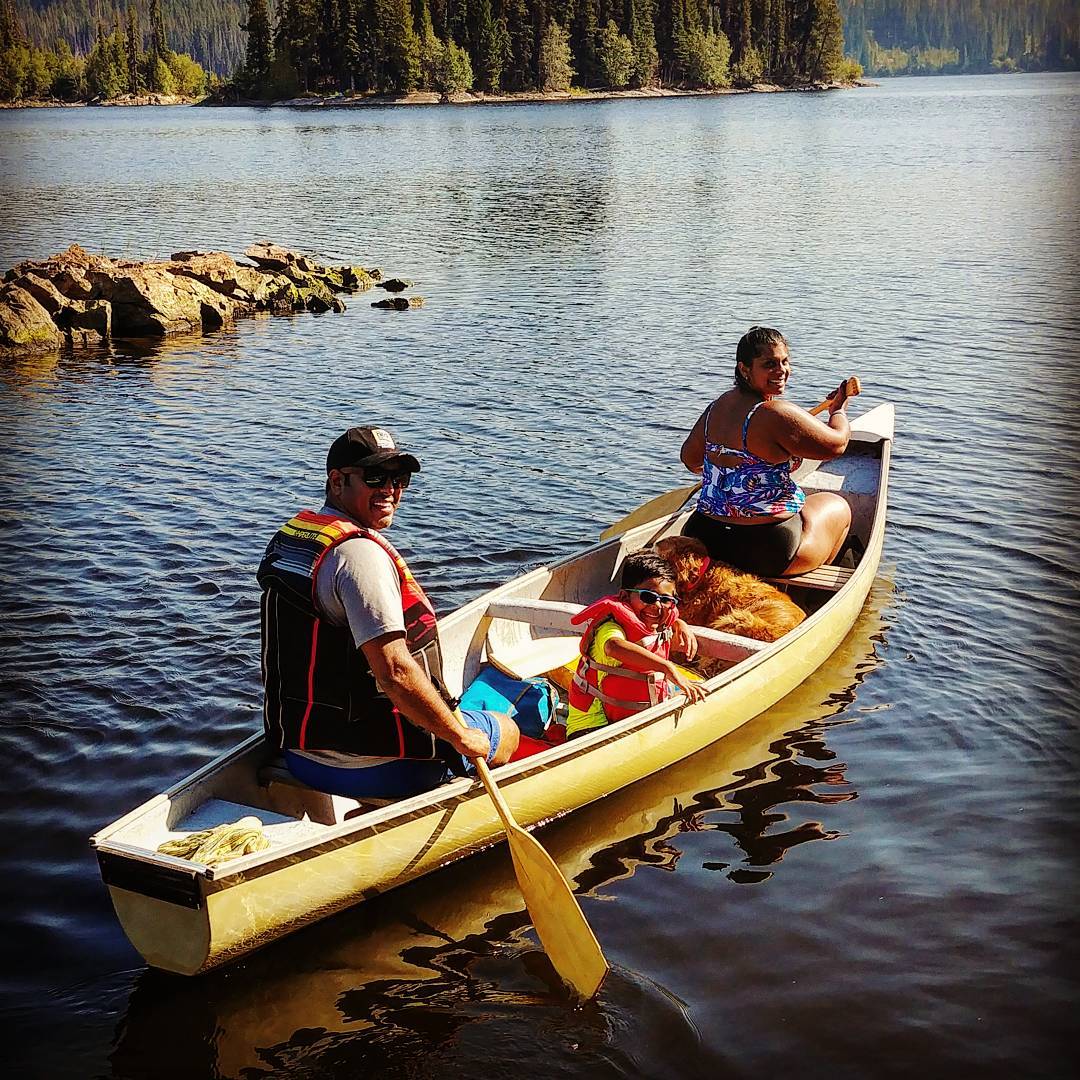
(650, 597)
(377, 478)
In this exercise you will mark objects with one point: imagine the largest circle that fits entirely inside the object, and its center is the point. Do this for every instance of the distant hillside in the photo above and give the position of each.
(888, 37)
(208, 30)
(916, 37)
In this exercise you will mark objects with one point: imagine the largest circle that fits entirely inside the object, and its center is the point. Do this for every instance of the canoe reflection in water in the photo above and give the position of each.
(443, 977)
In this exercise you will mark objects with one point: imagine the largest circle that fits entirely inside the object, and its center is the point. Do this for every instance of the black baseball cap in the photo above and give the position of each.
(368, 446)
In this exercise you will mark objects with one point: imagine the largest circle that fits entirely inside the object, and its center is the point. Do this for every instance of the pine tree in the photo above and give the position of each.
(295, 38)
(431, 49)
(493, 47)
(744, 39)
(400, 53)
(366, 32)
(643, 35)
(454, 74)
(105, 77)
(519, 29)
(584, 37)
(260, 49)
(615, 56)
(825, 47)
(159, 45)
(134, 51)
(556, 71)
(10, 32)
(118, 55)
(327, 60)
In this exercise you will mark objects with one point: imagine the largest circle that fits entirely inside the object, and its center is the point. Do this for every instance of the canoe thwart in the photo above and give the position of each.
(548, 614)
(556, 614)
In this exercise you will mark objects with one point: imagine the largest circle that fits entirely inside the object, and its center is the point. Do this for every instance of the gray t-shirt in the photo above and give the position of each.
(358, 586)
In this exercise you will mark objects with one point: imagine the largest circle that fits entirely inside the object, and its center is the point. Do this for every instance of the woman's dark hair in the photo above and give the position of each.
(751, 345)
(639, 566)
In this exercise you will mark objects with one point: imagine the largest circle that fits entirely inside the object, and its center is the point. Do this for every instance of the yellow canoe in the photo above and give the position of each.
(327, 852)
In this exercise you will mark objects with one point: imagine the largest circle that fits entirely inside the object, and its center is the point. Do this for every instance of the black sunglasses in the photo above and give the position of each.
(377, 478)
(650, 597)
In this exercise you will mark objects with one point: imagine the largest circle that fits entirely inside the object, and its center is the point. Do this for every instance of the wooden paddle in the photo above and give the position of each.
(657, 507)
(852, 387)
(671, 501)
(566, 936)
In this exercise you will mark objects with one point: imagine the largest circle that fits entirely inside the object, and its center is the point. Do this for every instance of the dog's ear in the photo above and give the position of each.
(667, 548)
(693, 546)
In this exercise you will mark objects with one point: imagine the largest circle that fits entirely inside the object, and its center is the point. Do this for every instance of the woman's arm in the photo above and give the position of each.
(801, 435)
(692, 453)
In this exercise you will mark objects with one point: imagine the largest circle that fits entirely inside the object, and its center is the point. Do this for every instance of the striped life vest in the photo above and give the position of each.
(622, 691)
(320, 693)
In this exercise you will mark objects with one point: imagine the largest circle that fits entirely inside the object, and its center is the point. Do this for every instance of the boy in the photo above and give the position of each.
(624, 664)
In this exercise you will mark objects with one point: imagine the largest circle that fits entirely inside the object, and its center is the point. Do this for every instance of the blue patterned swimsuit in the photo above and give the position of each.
(754, 488)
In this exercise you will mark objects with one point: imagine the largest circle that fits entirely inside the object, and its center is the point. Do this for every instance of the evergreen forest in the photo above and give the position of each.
(275, 49)
(956, 37)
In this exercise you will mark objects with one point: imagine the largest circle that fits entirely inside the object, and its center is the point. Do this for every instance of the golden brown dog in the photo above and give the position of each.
(714, 594)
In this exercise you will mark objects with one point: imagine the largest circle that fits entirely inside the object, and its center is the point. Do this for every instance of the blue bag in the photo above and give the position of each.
(529, 702)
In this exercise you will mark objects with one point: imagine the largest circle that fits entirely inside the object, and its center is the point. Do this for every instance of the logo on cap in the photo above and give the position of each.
(383, 438)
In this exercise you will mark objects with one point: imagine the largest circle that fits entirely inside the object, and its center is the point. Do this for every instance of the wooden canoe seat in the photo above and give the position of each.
(828, 578)
(534, 656)
(287, 795)
(555, 615)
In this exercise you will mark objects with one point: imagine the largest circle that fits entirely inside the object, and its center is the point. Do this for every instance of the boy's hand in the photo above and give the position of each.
(683, 640)
(693, 690)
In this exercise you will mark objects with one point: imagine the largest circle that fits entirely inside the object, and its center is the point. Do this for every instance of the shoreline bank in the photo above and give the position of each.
(111, 103)
(431, 97)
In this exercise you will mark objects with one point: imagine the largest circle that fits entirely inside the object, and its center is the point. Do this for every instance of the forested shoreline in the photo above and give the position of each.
(128, 57)
(147, 50)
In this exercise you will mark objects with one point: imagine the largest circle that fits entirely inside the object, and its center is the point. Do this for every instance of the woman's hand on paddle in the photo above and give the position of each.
(683, 640)
(838, 399)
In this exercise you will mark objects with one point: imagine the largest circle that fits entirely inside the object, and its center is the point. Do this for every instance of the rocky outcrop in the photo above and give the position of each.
(400, 303)
(76, 298)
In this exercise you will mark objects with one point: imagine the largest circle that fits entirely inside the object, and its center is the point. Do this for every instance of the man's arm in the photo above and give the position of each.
(406, 684)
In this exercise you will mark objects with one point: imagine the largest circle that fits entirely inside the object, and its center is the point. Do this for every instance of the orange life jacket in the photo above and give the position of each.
(623, 691)
(320, 693)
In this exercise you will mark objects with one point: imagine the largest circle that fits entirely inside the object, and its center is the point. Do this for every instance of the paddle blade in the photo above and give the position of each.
(560, 924)
(660, 506)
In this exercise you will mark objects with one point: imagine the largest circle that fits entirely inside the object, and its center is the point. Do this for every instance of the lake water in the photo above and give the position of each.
(875, 878)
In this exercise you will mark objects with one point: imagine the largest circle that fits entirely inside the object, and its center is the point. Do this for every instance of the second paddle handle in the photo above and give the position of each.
(852, 387)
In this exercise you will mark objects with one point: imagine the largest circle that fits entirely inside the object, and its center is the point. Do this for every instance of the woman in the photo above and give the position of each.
(747, 443)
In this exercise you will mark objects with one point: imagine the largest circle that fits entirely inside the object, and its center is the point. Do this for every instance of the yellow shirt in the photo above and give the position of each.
(595, 717)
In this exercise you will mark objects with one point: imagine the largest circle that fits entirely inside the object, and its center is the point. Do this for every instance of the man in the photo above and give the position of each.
(351, 665)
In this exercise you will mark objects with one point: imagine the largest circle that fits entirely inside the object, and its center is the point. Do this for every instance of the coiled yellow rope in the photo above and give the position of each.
(219, 844)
